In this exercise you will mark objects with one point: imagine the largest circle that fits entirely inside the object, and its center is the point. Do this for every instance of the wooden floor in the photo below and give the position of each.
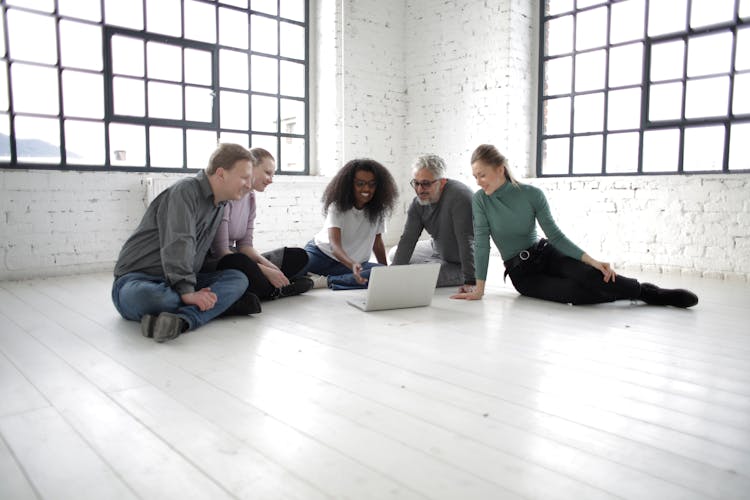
(508, 397)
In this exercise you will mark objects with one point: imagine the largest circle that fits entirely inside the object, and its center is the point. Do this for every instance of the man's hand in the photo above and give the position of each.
(204, 299)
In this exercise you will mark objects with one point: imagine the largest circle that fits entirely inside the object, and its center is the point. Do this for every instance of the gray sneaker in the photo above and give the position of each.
(165, 326)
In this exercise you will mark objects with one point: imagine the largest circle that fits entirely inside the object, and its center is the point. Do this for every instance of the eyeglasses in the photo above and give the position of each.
(369, 184)
(423, 184)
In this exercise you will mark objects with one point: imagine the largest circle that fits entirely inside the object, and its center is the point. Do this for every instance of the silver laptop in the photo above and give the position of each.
(397, 287)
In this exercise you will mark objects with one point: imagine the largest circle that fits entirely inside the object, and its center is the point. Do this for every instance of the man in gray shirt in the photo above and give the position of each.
(157, 278)
(442, 207)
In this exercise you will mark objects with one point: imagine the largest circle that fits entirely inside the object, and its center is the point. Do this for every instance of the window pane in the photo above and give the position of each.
(293, 9)
(233, 69)
(200, 21)
(667, 61)
(2, 39)
(129, 97)
(126, 14)
(624, 110)
(590, 71)
(626, 65)
(741, 98)
(40, 5)
(553, 7)
(557, 116)
(267, 6)
(4, 137)
(234, 111)
(233, 28)
(292, 41)
(710, 54)
(81, 45)
(199, 104)
(667, 17)
(292, 117)
(558, 74)
(265, 114)
(263, 35)
(267, 142)
(588, 113)
(164, 100)
(622, 153)
(164, 16)
(704, 148)
(166, 147)
(82, 9)
(708, 12)
(84, 142)
(292, 154)
(127, 56)
(264, 77)
(744, 8)
(235, 138)
(591, 29)
(35, 89)
(37, 139)
(665, 102)
(661, 150)
(587, 155)
(742, 58)
(555, 156)
(4, 103)
(739, 147)
(200, 145)
(582, 4)
(32, 37)
(128, 145)
(236, 3)
(83, 94)
(559, 36)
(707, 97)
(197, 67)
(164, 62)
(627, 21)
(292, 79)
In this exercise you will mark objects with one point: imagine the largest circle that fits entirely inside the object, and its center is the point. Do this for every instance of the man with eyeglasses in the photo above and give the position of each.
(441, 206)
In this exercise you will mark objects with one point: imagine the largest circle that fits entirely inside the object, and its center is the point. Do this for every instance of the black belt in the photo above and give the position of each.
(523, 256)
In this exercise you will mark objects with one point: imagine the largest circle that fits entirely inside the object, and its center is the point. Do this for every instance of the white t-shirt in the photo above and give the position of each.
(357, 233)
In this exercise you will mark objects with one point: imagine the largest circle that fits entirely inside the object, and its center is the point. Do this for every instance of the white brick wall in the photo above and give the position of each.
(394, 79)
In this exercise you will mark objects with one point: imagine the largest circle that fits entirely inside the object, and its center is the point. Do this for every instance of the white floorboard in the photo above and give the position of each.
(508, 397)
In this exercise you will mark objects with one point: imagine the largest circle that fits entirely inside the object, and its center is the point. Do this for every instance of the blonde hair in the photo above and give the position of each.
(487, 153)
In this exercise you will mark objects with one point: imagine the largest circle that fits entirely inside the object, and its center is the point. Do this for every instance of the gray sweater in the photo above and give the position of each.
(449, 224)
(174, 235)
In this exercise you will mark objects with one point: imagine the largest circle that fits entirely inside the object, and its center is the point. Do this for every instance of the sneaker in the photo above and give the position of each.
(296, 287)
(165, 326)
(249, 303)
(318, 280)
(677, 297)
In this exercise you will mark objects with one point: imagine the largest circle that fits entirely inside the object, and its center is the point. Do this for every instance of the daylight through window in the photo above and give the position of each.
(151, 84)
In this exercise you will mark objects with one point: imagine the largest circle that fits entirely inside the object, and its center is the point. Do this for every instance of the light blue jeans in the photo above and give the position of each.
(340, 277)
(137, 294)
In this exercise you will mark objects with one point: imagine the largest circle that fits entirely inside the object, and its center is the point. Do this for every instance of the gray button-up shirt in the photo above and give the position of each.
(174, 235)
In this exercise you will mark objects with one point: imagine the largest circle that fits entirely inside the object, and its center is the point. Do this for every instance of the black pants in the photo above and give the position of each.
(550, 275)
(290, 260)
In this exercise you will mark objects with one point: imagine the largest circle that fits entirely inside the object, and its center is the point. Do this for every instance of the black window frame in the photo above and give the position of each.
(281, 135)
(681, 124)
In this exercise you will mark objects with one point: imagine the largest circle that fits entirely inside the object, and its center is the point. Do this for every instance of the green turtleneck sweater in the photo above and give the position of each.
(509, 215)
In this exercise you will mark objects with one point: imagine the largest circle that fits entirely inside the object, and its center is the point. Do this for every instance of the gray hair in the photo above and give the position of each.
(433, 163)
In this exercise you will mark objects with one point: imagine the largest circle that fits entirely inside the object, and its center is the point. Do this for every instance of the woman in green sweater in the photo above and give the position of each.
(551, 269)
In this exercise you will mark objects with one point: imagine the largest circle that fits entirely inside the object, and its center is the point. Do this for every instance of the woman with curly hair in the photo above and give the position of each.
(355, 204)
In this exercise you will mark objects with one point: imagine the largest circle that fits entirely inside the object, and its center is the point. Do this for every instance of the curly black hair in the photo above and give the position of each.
(340, 191)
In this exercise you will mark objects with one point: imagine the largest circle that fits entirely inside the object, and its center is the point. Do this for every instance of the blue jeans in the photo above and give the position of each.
(137, 294)
(340, 277)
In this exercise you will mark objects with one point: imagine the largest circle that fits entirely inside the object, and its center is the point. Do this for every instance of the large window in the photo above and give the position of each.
(151, 84)
(644, 86)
